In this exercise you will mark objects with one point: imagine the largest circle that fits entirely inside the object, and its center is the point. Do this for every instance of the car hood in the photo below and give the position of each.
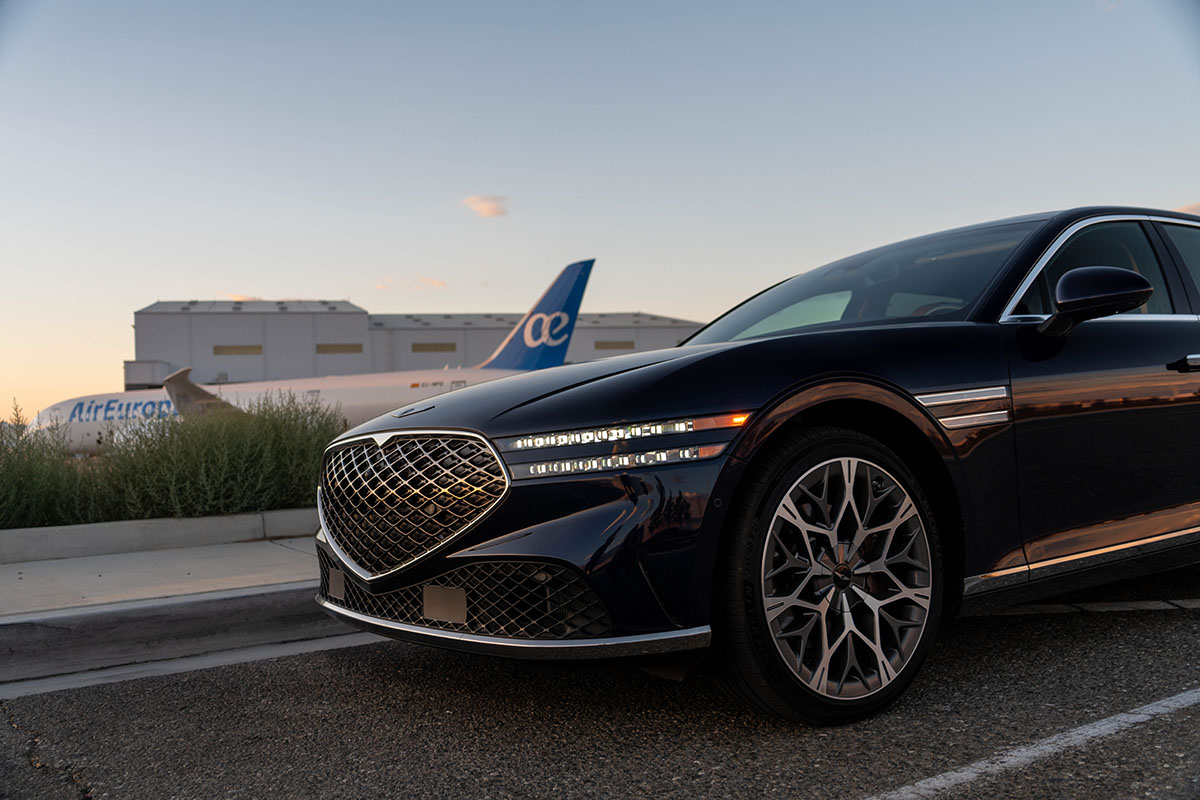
(694, 380)
(546, 399)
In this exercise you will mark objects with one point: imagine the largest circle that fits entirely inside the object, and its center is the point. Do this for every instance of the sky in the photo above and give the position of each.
(419, 157)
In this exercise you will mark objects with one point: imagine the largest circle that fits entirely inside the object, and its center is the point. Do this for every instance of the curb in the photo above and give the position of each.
(48, 643)
(18, 545)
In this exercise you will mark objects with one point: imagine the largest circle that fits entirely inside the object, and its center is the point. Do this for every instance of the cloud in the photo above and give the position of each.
(487, 205)
(1194, 208)
(432, 283)
(241, 298)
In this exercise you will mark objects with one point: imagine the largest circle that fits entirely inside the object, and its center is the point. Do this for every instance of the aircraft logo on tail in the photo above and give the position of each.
(542, 337)
(548, 329)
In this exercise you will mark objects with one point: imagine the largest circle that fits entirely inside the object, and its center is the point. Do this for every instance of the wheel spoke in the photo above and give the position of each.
(787, 510)
(884, 666)
(904, 512)
(790, 513)
(895, 624)
(803, 634)
(917, 595)
(776, 606)
(848, 468)
(820, 675)
(791, 561)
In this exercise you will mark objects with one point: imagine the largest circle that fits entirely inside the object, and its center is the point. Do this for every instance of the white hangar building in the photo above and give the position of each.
(227, 341)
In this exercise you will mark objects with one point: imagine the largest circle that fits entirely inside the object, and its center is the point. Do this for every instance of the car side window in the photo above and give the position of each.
(1108, 244)
(1187, 241)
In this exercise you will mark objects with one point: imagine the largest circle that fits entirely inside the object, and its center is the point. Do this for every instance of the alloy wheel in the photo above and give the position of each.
(846, 578)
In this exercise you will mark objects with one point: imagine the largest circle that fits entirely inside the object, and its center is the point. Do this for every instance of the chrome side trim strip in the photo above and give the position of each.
(686, 639)
(974, 420)
(936, 400)
(1130, 316)
(1174, 221)
(964, 396)
(1089, 558)
(380, 439)
(1114, 552)
(1127, 316)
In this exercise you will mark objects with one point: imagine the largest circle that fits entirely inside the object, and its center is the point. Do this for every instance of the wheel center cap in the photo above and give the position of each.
(842, 576)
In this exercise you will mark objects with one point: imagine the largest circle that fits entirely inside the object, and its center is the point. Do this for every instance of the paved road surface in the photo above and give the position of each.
(395, 720)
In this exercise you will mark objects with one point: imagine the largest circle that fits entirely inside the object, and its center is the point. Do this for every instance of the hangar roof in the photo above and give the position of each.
(403, 321)
(250, 306)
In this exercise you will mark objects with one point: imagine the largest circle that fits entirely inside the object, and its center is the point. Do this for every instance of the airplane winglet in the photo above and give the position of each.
(188, 398)
(543, 335)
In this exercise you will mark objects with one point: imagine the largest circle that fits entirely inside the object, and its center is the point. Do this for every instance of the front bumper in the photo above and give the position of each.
(630, 556)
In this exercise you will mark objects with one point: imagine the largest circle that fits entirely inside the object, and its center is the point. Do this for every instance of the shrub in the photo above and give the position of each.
(222, 462)
(40, 484)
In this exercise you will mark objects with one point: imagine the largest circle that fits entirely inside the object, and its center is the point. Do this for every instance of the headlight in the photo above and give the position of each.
(607, 448)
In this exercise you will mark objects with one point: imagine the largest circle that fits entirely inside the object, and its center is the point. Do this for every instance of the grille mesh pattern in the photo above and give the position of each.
(510, 599)
(388, 506)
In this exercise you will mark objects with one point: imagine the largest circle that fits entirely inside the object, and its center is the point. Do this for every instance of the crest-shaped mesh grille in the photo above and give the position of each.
(509, 599)
(386, 506)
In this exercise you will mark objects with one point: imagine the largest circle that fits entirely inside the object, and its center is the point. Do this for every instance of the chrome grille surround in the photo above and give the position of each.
(388, 500)
(505, 599)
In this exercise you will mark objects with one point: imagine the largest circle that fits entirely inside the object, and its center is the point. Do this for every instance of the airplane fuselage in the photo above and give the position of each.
(91, 420)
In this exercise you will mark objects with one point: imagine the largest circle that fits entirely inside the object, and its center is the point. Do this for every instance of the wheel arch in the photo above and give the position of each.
(890, 416)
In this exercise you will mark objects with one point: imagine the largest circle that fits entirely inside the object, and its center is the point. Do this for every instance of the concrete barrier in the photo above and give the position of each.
(131, 536)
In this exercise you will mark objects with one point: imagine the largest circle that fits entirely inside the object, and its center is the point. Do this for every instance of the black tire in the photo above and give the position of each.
(777, 674)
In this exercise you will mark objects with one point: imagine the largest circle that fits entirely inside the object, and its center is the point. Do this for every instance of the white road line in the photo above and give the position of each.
(186, 664)
(1052, 745)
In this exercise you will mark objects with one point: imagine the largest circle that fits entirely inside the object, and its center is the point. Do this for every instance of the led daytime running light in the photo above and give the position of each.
(622, 461)
(620, 433)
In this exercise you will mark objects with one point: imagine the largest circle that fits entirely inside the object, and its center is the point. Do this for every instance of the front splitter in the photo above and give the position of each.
(557, 649)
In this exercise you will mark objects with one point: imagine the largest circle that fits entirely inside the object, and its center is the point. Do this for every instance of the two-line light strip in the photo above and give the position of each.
(622, 461)
(621, 433)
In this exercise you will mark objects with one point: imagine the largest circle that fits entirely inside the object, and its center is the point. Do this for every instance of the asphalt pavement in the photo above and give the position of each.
(1009, 706)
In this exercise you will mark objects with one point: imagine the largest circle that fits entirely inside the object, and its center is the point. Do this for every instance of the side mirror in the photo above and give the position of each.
(1090, 292)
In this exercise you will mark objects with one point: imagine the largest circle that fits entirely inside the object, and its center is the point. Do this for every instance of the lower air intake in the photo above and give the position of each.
(507, 599)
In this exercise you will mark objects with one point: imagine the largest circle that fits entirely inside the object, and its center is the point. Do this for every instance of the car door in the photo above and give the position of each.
(1107, 418)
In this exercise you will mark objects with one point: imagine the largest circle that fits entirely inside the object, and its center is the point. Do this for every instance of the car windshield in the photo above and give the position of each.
(933, 277)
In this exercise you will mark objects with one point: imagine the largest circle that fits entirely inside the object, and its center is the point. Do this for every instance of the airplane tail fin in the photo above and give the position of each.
(189, 399)
(542, 336)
